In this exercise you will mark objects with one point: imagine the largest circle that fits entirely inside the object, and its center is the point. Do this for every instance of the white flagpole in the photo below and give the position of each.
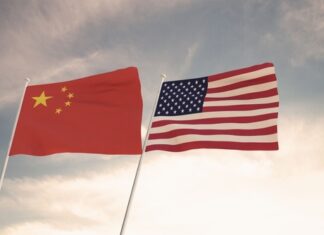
(12, 135)
(163, 76)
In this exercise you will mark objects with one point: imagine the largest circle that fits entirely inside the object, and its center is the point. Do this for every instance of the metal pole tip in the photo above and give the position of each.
(163, 75)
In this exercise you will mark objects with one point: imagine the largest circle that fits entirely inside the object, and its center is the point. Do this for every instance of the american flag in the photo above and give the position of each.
(232, 110)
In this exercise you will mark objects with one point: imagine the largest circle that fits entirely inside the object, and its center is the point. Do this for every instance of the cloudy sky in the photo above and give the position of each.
(196, 192)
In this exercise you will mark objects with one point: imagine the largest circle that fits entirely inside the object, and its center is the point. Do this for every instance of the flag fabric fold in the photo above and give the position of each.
(96, 114)
(232, 110)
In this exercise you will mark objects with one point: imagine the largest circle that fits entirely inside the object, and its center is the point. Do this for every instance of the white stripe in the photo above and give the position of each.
(241, 77)
(190, 138)
(218, 126)
(244, 90)
(266, 100)
(217, 114)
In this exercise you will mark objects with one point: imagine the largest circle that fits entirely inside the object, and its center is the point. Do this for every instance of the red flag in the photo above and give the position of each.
(96, 114)
(232, 110)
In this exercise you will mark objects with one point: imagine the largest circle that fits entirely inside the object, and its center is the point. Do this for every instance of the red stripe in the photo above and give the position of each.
(251, 82)
(248, 119)
(241, 107)
(238, 132)
(213, 144)
(249, 96)
(238, 71)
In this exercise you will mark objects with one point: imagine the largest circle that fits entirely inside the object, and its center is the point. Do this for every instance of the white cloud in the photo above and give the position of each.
(191, 53)
(30, 40)
(303, 24)
(67, 205)
(59, 19)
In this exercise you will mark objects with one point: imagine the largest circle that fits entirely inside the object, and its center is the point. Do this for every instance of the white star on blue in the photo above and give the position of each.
(188, 97)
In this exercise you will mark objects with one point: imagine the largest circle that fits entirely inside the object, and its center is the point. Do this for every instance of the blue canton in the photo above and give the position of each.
(182, 97)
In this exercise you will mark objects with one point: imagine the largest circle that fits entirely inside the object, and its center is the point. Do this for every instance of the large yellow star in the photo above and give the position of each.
(41, 99)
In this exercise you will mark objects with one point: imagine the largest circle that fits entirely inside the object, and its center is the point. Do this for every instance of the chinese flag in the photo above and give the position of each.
(96, 114)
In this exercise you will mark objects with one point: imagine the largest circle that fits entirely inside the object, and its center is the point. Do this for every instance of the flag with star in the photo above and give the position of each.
(237, 110)
(96, 114)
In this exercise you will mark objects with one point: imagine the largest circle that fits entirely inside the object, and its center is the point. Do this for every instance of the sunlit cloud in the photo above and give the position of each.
(35, 44)
(66, 205)
(303, 25)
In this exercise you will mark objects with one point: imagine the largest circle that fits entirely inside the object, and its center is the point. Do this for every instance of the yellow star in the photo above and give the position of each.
(58, 110)
(68, 103)
(41, 99)
(70, 95)
(64, 89)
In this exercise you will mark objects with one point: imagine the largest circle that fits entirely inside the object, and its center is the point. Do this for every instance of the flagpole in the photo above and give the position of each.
(12, 135)
(163, 76)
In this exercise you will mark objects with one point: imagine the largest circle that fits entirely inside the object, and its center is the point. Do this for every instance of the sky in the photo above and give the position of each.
(195, 192)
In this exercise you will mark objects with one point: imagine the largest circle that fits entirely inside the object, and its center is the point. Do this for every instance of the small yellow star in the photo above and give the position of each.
(58, 110)
(64, 89)
(68, 103)
(41, 99)
(70, 95)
